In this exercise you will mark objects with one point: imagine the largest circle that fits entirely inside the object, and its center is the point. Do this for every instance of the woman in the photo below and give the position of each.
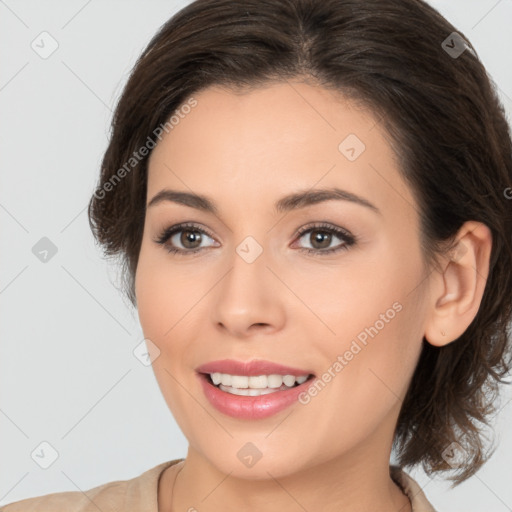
(311, 203)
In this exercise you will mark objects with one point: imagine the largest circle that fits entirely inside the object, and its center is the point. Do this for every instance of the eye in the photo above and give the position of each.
(191, 237)
(188, 235)
(321, 236)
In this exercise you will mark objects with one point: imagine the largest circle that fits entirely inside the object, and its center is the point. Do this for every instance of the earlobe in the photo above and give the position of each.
(458, 290)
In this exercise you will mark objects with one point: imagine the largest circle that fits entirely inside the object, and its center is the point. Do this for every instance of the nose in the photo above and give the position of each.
(249, 300)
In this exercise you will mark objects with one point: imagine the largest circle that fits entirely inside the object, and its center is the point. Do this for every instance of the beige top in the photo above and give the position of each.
(140, 494)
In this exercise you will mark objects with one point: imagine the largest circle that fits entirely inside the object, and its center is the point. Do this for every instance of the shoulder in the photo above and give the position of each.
(411, 489)
(139, 493)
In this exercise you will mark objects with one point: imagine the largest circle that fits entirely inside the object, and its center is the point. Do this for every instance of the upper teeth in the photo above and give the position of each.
(256, 382)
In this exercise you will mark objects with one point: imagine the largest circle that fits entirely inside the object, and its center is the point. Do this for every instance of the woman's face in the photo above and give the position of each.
(335, 288)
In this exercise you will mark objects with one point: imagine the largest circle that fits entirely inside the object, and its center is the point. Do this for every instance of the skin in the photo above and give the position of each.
(246, 151)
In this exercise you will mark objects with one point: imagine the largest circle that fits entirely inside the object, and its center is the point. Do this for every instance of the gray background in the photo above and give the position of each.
(68, 375)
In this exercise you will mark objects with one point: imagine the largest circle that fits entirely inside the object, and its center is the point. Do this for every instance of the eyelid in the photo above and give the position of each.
(343, 234)
(327, 226)
(181, 226)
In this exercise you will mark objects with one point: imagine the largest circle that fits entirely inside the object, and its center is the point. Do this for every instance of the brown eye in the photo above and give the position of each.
(189, 239)
(184, 239)
(320, 238)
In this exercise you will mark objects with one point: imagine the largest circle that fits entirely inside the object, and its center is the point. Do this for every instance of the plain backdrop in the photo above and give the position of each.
(68, 375)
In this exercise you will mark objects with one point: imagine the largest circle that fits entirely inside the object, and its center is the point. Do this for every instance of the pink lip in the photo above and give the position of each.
(256, 367)
(250, 407)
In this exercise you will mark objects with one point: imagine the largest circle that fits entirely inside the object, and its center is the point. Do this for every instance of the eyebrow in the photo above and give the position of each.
(287, 203)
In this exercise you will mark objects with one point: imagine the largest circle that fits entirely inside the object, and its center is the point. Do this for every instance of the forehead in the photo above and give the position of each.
(248, 145)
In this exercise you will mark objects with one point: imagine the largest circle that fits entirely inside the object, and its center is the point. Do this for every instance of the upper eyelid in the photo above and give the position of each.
(313, 225)
(338, 231)
(176, 228)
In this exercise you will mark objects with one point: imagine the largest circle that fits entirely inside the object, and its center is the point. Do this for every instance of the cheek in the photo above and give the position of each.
(362, 289)
(379, 333)
(384, 352)
(152, 306)
(156, 306)
(366, 374)
(157, 289)
(170, 299)
(161, 308)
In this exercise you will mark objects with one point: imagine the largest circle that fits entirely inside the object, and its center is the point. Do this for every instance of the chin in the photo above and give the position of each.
(260, 467)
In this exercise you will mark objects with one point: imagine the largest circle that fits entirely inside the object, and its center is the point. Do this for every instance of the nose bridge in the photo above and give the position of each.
(247, 294)
(248, 275)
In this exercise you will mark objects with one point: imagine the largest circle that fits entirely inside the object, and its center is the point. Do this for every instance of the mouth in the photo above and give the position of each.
(256, 396)
(252, 389)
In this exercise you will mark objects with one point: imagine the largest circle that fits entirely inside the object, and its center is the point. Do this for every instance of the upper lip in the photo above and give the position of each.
(254, 367)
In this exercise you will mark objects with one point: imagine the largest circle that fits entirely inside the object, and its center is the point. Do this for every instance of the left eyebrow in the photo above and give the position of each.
(305, 198)
(287, 203)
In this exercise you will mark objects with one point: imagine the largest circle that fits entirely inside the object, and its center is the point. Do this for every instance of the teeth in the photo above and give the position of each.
(260, 382)
(274, 381)
(248, 391)
(289, 380)
(239, 381)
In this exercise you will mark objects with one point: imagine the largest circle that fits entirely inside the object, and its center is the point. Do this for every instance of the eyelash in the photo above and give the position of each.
(347, 238)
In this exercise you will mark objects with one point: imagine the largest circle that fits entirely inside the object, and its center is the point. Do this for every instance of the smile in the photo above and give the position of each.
(252, 390)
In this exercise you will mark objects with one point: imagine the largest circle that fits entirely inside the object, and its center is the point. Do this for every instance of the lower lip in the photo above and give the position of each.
(251, 407)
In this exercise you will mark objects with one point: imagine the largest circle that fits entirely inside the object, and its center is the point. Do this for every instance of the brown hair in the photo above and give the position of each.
(447, 127)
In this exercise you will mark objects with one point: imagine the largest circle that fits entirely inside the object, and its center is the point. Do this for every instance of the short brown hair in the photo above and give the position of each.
(447, 127)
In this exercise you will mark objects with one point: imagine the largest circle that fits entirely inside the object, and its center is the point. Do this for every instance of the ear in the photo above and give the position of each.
(456, 292)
